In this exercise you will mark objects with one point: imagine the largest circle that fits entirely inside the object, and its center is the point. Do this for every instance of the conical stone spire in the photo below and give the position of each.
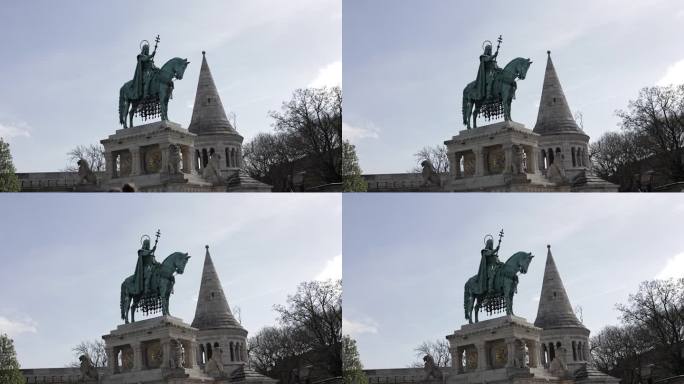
(554, 310)
(212, 306)
(554, 113)
(208, 115)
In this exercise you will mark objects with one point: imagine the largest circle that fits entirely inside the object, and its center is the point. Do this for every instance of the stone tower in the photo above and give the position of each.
(561, 140)
(562, 332)
(219, 332)
(216, 136)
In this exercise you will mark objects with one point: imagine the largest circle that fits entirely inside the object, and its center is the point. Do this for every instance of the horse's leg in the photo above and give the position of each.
(506, 102)
(163, 103)
(126, 302)
(476, 111)
(134, 307)
(477, 308)
(134, 107)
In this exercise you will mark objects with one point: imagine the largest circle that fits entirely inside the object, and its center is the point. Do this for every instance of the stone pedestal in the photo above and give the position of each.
(144, 352)
(501, 350)
(141, 156)
(496, 157)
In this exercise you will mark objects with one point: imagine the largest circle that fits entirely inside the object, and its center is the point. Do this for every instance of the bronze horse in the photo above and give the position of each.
(160, 289)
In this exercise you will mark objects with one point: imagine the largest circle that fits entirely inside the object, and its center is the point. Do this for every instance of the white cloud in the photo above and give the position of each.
(535, 299)
(354, 328)
(16, 327)
(674, 268)
(14, 130)
(674, 75)
(354, 133)
(328, 76)
(332, 270)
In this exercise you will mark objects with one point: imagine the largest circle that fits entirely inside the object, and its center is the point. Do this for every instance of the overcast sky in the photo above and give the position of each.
(64, 63)
(408, 256)
(64, 257)
(406, 64)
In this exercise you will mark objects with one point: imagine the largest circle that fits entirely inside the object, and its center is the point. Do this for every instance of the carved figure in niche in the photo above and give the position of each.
(173, 167)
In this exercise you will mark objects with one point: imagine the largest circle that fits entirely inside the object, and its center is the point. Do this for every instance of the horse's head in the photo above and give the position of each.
(179, 69)
(180, 262)
(524, 263)
(175, 262)
(523, 67)
(519, 262)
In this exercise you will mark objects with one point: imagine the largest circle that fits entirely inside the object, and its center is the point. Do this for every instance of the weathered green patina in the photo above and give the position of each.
(495, 283)
(494, 88)
(150, 287)
(148, 94)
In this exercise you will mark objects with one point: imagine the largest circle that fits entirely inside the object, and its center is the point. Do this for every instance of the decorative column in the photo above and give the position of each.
(533, 155)
(479, 161)
(111, 360)
(481, 356)
(510, 356)
(192, 352)
(166, 352)
(136, 168)
(164, 159)
(137, 357)
(110, 165)
(508, 158)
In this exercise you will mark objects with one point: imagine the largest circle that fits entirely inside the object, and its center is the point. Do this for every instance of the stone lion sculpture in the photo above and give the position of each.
(173, 167)
(88, 370)
(431, 369)
(558, 367)
(85, 174)
(214, 366)
(211, 171)
(556, 173)
(430, 175)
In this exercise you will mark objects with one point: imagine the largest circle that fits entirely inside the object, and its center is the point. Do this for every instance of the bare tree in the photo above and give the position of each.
(438, 349)
(615, 156)
(618, 351)
(657, 311)
(658, 115)
(93, 349)
(313, 121)
(316, 309)
(93, 154)
(437, 156)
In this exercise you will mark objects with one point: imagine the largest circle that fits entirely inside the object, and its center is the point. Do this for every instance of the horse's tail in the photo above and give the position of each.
(467, 293)
(122, 106)
(123, 300)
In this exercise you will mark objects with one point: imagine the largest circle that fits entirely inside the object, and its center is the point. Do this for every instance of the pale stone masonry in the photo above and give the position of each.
(560, 138)
(562, 331)
(215, 134)
(217, 326)
(509, 349)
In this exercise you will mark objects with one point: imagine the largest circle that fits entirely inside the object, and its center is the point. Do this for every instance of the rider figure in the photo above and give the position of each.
(488, 265)
(143, 270)
(486, 72)
(143, 71)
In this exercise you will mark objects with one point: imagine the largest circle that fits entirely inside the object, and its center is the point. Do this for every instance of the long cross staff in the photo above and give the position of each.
(501, 234)
(499, 40)
(156, 240)
(156, 42)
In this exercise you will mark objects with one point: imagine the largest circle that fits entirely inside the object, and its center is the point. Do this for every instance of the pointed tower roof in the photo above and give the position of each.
(212, 306)
(554, 113)
(208, 115)
(554, 310)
